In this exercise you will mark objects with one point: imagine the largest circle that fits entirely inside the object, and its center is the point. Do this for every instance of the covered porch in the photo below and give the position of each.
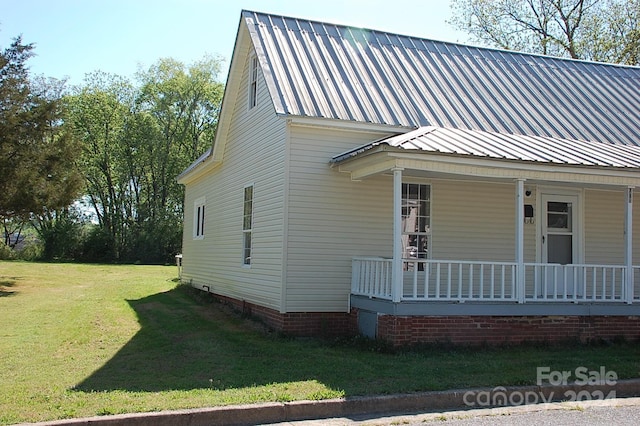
(548, 177)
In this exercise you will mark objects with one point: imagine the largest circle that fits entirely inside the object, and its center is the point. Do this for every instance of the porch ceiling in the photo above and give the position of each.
(437, 151)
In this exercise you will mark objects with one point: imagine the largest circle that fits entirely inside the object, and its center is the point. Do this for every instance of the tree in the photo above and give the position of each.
(599, 30)
(135, 141)
(183, 103)
(613, 35)
(37, 153)
(99, 112)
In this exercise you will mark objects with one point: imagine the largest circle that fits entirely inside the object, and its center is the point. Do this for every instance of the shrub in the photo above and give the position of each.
(157, 241)
(61, 238)
(32, 251)
(6, 253)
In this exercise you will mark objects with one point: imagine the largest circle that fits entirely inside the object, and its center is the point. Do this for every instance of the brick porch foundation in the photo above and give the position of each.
(457, 330)
(497, 330)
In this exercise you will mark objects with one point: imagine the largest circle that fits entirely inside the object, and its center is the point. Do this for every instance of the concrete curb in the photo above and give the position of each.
(344, 407)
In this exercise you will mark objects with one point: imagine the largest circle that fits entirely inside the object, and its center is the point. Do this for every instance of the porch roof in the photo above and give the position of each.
(499, 155)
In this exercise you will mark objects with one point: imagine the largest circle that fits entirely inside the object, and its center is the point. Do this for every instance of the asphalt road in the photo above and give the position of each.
(623, 411)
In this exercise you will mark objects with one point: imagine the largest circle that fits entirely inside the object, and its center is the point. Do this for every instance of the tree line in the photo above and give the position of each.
(91, 169)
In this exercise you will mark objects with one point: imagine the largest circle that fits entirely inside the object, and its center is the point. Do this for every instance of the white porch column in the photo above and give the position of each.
(520, 240)
(628, 242)
(396, 284)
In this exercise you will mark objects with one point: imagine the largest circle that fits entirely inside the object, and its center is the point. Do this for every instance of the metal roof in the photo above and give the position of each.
(316, 69)
(492, 145)
(203, 157)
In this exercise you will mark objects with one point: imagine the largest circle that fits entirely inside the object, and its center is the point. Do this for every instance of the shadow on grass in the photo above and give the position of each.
(5, 284)
(185, 344)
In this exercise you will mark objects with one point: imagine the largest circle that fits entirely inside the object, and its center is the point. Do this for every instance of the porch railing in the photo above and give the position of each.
(576, 283)
(455, 280)
(458, 280)
(371, 276)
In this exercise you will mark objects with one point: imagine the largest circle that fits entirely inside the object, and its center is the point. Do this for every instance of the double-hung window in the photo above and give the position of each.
(247, 225)
(416, 221)
(198, 218)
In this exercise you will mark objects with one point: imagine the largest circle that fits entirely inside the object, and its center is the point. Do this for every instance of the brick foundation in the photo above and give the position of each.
(497, 330)
(457, 330)
(300, 324)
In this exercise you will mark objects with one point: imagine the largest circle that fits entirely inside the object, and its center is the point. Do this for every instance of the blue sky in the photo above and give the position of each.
(74, 37)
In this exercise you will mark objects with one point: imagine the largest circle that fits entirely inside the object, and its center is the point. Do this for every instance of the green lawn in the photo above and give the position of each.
(84, 340)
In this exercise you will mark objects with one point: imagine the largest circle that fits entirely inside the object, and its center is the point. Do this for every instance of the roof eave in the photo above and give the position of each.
(382, 158)
(199, 168)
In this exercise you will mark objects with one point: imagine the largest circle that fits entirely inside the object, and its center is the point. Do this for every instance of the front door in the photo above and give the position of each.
(560, 232)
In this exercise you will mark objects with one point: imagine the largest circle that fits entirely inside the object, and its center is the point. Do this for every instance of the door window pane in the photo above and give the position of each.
(559, 215)
(560, 249)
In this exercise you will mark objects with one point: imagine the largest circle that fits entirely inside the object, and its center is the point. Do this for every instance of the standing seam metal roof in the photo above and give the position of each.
(316, 69)
(502, 146)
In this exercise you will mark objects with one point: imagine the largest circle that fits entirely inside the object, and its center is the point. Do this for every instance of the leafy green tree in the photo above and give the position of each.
(37, 153)
(183, 103)
(613, 33)
(99, 112)
(61, 234)
(599, 30)
(135, 141)
(180, 104)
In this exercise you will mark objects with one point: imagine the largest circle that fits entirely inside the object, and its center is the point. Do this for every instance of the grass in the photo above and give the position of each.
(84, 340)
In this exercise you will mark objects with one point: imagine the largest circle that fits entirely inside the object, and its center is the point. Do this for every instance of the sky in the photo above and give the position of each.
(76, 37)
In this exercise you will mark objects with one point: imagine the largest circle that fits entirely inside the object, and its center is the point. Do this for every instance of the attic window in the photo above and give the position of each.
(198, 218)
(253, 82)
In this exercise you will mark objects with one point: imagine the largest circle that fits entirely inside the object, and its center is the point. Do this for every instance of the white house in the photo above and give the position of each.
(418, 190)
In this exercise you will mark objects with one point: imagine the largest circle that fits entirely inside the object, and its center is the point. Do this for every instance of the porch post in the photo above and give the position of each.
(396, 283)
(628, 242)
(520, 240)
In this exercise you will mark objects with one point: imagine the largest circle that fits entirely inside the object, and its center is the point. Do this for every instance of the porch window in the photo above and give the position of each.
(247, 225)
(198, 218)
(253, 82)
(416, 221)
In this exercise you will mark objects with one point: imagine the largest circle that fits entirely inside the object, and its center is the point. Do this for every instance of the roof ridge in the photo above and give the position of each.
(466, 45)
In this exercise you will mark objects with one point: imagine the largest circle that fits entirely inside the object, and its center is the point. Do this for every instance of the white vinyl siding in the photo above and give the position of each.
(604, 227)
(331, 219)
(476, 221)
(254, 152)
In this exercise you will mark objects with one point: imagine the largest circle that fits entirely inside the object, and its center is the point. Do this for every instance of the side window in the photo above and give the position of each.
(253, 82)
(416, 221)
(247, 225)
(198, 218)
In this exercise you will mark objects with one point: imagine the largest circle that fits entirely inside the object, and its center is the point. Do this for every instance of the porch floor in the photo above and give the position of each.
(509, 308)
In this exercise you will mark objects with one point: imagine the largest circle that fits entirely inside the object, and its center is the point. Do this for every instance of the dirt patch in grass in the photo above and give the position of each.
(6, 286)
